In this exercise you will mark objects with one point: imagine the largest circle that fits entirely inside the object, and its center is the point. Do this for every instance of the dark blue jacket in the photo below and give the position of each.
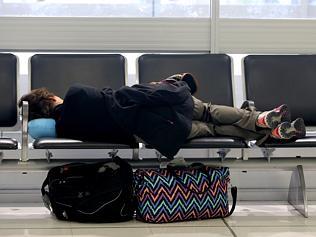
(159, 114)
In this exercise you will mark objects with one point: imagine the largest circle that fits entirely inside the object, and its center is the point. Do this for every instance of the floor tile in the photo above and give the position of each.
(275, 231)
(139, 224)
(109, 232)
(268, 215)
(153, 232)
(269, 209)
(35, 233)
(249, 219)
(29, 217)
(312, 210)
(191, 232)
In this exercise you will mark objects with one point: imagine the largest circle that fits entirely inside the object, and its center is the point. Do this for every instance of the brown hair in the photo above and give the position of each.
(41, 103)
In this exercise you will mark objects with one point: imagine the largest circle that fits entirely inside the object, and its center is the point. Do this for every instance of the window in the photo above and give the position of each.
(259, 2)
(106, 8)
(268, 9)
(182, 8)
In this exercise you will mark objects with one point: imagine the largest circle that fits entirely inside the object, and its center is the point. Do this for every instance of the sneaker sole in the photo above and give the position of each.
(274, 118)
(294, 129)
(299, 127)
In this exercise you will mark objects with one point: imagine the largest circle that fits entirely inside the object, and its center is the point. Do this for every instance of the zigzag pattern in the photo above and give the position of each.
(165, 195)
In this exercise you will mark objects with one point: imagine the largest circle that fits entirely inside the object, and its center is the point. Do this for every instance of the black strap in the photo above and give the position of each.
(234, 196)
(45, 195)
(45, 183)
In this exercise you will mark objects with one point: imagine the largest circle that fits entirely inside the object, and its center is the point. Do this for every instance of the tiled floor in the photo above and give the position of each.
(249, 219)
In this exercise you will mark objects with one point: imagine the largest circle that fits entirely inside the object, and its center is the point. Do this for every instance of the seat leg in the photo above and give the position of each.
(113, 153)
(222, 152)
(267, 153)
(48, 155)
(135, 154)
(297, 196)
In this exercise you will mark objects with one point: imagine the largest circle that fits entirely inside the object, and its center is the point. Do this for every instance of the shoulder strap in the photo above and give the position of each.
(45, 195)
(45, 183)
(234, 196)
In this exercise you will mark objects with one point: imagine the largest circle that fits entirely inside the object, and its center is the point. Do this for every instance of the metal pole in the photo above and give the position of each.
(214, 25)
(153, 8)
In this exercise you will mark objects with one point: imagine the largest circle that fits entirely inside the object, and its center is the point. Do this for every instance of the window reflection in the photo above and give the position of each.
(267, 9)
(106, 8)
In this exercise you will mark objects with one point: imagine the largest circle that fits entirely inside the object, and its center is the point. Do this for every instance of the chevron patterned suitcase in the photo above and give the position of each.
(181, 194)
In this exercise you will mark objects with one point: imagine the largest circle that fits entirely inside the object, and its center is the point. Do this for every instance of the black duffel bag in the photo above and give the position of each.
(92, 192)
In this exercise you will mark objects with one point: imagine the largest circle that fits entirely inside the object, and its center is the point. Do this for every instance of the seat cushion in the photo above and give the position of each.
(213, 142)
(8, 144)
(308, 141)
(304, 142)
(63, 143)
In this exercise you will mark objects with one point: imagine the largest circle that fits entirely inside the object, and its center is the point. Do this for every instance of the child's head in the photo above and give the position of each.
(41, 103)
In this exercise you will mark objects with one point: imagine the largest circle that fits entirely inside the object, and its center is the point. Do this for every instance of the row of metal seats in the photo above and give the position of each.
(270, 80)
(57, 72)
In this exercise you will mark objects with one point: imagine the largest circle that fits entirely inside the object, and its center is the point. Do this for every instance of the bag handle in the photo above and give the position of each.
(45, 195)
(201, 167)
(198, 166)
(233, 191)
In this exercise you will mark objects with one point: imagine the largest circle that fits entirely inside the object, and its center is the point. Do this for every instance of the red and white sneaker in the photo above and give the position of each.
(271, 119)
(287, 130)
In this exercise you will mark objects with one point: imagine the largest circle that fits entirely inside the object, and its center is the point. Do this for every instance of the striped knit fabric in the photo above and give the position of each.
(165, 195)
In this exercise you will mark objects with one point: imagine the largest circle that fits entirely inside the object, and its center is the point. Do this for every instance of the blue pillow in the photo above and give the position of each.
(43, 127)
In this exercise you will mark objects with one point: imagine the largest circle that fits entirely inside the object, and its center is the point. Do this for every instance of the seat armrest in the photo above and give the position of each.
(248, 105)
(25, 140)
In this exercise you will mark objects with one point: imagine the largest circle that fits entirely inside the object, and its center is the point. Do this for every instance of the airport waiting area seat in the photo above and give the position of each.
(214, 75)
(8, 102)
(59, 71)
(271, 80)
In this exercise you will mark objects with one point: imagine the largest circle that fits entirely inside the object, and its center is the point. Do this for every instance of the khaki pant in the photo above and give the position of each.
(218, 120)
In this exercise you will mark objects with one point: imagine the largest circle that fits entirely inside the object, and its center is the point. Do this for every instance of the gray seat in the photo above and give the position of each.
(8, 144)
(58, 71)
(8, 102)
(272, 80)
(213, 72)
(62, 143)
(215, 142)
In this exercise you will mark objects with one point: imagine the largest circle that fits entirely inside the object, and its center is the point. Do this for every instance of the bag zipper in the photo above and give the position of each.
(91, 213)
